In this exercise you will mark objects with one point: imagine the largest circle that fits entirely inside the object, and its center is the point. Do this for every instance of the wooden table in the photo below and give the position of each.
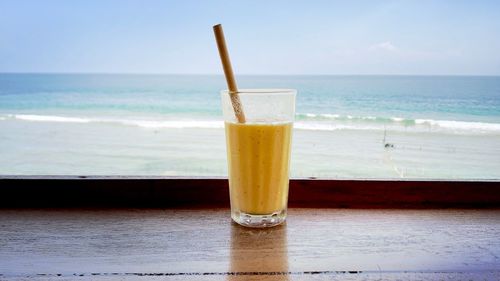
(203, 244)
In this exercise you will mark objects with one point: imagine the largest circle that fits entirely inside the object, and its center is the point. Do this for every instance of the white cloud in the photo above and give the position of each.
(387, 46)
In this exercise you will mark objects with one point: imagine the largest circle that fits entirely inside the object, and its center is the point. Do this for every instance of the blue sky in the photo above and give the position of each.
(264, 37)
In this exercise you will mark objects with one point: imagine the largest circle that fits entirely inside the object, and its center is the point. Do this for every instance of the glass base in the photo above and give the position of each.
(249, 220)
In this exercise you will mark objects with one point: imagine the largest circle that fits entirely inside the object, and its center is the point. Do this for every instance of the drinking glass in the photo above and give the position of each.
(258, 155)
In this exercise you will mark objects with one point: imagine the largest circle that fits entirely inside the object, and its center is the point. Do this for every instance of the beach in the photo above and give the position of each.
(346, 126)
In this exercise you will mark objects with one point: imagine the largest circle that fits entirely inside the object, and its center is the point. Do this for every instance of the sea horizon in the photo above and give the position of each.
(241, 74)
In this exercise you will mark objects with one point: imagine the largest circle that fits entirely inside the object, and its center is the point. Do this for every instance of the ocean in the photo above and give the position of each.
(432, 127)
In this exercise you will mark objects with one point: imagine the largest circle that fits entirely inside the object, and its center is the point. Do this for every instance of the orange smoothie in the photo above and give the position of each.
(259, 160)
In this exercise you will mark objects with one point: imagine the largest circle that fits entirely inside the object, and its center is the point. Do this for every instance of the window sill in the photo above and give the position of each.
(180, 192)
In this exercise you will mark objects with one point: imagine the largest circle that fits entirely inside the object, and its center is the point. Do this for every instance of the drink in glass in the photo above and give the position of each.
(258, 154)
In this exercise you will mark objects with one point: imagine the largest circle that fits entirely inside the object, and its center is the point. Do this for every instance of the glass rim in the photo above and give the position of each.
(266, 91)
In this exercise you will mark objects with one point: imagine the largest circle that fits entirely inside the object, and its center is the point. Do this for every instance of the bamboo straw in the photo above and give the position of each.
(228, 73)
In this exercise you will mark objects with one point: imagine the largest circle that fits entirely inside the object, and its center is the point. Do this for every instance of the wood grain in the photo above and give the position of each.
(203, 244)
(172, 192)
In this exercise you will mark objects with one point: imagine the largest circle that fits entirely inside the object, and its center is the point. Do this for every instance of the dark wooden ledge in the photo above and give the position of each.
(179, 192)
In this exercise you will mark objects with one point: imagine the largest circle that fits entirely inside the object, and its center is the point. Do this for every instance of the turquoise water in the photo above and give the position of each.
(439, 126)
(411, 97)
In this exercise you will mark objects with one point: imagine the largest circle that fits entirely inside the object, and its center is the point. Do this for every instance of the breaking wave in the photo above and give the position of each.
(309, 121)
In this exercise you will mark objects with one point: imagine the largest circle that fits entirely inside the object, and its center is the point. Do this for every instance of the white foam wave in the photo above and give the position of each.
(48, 118)
(151, 124)
(174, 124)
(459, 125)
(333, 116)
(329, 127)
(397, 119)
(345, 117)
(419, 124)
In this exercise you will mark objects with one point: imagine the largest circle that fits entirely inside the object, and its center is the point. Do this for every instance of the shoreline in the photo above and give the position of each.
(39, 148)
